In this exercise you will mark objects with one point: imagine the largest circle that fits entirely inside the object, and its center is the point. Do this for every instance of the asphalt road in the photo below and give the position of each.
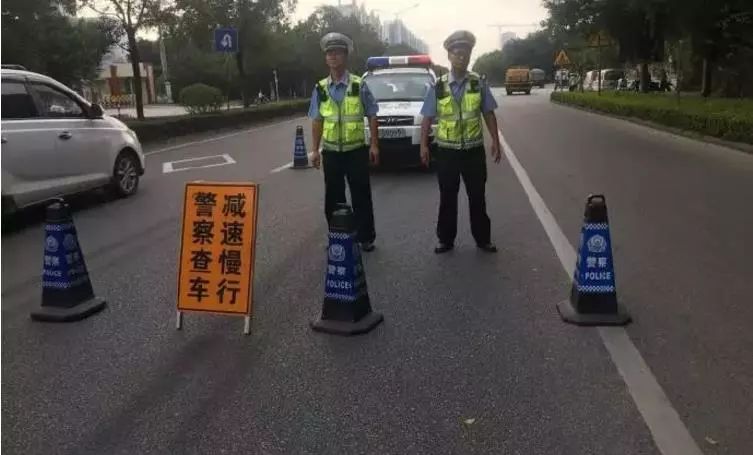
(466, 335)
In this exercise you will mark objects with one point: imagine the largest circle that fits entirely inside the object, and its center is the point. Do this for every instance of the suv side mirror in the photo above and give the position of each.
(95, 111)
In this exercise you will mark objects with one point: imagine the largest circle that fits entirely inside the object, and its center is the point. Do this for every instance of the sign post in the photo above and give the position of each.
(226, 41)
(599, 40)
(560, 61)
(218, 243)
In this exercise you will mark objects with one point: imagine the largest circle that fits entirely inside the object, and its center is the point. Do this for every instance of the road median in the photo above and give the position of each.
(162, 128)
(725, 119)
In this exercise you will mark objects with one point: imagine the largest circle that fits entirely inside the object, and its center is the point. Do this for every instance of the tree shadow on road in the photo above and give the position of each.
(34, 216)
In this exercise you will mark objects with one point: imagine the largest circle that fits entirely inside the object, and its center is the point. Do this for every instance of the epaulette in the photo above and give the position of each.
(355, 89)
(321, 93)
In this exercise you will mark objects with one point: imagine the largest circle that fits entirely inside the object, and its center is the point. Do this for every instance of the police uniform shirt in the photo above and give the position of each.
(337, 92)
(457, 88)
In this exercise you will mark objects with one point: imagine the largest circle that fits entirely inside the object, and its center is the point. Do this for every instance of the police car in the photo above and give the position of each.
(399, 84)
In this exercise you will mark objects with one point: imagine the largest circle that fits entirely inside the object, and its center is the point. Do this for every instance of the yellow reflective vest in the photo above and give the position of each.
(459, 124)
(343, 122)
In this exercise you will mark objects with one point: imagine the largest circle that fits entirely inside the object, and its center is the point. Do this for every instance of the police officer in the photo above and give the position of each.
(338, 105)
(460, 100)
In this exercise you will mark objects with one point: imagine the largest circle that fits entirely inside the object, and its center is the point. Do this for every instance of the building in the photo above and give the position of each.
(364, 17)
(395, 32)
(505, 37)
(115, 80)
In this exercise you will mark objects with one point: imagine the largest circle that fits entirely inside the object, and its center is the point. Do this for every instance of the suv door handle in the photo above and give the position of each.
(4, 140)
(65, 135)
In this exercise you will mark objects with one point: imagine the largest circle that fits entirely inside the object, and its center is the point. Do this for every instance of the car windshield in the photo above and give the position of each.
(613, 75)
(399, 86)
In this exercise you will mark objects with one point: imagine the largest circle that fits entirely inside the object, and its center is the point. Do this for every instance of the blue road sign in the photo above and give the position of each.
(226, 40)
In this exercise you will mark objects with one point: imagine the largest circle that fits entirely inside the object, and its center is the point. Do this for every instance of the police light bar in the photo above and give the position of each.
(398, 60)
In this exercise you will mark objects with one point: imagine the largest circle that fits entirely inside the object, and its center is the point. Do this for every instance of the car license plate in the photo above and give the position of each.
(392, 133)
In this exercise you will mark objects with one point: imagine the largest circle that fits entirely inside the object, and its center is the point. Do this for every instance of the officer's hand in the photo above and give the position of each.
(425, 155)
(374, 155)
(316, 158)
(497, 153)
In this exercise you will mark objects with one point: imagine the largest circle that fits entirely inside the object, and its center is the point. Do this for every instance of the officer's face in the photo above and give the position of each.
(459, 57)
(336, 58)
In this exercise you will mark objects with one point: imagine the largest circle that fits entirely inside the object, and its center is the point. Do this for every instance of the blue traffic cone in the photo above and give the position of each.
(347, 308)
(67, 293)
(300, 157)
(593, 296)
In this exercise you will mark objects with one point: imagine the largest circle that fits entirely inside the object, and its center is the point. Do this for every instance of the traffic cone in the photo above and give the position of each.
(593, 296)
(346, 309)
(67, 293)
(300, 157)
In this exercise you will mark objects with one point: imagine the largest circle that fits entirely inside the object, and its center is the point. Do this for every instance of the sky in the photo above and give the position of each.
(434, 20)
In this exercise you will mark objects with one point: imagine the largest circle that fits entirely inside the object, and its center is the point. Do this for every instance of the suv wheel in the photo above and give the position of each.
(125, 178)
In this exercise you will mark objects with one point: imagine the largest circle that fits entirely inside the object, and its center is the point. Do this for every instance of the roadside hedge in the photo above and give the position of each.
(201, 99)
(729, 119)
(160, 128)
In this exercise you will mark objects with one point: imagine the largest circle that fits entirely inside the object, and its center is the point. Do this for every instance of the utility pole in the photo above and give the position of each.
(163, 61)
(277, 88)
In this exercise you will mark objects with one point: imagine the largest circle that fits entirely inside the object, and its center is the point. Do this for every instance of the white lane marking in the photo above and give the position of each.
(281, 168)
(167, 167)
(669, 432)
(219, 138)
(286, 166)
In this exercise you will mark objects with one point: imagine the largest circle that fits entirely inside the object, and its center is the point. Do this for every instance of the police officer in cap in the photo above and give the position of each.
(460, 100)
(338, 105)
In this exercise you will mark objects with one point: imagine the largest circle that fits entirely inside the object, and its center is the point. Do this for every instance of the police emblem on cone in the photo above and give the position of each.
(300, 157)
(67, 293)
(347, 308)
(593, 296)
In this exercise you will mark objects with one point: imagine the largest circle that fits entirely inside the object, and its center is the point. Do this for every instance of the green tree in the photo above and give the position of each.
(37, 35)
(492, 65)
(720, 33)
(131, 16)
(639, 27)
(534, 51)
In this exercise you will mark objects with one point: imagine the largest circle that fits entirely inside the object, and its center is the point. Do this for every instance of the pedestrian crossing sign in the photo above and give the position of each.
(562, 59)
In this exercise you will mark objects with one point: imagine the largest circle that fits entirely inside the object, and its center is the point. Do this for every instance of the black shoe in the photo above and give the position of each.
(367, 246)
(488, 248)
(443, 247)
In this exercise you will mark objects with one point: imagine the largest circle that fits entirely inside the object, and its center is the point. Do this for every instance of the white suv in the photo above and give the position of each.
(55, 143)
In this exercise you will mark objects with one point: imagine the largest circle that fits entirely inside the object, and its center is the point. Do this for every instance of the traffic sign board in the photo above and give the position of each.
(562, 59)
(217, 248)
(601, 39)
(226, 40)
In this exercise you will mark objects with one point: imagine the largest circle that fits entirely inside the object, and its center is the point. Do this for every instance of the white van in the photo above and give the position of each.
(399, 85)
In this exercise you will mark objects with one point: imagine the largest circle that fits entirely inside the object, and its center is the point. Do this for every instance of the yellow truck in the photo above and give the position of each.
(518, 79)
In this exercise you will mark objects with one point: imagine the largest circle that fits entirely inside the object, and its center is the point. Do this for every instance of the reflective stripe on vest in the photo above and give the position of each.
(459, 124)
(343, 128)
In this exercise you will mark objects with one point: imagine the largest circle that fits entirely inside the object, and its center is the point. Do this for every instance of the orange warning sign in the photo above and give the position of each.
(217, 248)
(562, 59)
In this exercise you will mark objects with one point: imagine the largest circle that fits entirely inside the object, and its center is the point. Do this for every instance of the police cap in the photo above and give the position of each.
(336, 40)
(461, 38)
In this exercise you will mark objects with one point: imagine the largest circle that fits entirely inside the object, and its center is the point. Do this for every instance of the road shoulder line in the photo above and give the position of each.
(670, 434)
